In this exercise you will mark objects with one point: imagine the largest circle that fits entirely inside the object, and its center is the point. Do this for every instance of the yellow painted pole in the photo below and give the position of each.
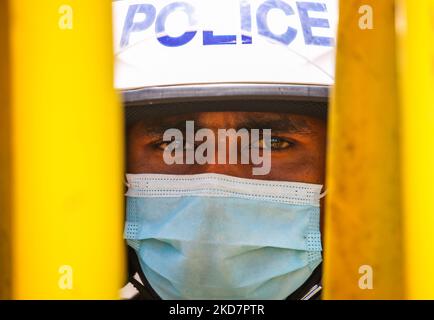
(416, 64)
(363, 242)
(67, 140)
(5, 156)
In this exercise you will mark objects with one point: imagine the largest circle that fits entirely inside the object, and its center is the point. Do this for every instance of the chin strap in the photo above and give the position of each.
(138, 285)
(313, 292)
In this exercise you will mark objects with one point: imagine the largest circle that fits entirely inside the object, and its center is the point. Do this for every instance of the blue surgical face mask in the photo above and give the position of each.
(212, 236)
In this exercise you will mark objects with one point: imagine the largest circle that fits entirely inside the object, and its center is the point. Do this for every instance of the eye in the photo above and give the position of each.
(275, 143)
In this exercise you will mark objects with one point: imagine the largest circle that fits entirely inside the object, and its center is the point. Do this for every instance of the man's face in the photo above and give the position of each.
(297, 145)
(297, 148)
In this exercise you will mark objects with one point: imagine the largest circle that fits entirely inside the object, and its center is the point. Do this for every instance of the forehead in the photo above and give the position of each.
(250, 120)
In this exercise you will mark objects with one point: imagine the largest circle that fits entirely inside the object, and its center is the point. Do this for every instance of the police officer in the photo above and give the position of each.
(225, 161)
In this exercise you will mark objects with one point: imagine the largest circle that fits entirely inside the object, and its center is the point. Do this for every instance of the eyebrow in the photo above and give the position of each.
(280, 124)
(159, 128)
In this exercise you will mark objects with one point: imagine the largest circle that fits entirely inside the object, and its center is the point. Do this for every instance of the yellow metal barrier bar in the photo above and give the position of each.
(5, 156)
(363, 257)
(416, 27)
(67, 140)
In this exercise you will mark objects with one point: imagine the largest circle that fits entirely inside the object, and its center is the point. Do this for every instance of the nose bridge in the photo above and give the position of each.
(224, 147)
(229, 152)
(227, 169)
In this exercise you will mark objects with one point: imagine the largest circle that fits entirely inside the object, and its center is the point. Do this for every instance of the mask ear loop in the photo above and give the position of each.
(322, 195)
(126, 183)
(127, 186)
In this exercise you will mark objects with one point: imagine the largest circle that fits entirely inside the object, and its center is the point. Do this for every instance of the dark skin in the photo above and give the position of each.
(298, 145)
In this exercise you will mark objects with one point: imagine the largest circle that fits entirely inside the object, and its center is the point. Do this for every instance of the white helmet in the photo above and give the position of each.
(235, 50)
